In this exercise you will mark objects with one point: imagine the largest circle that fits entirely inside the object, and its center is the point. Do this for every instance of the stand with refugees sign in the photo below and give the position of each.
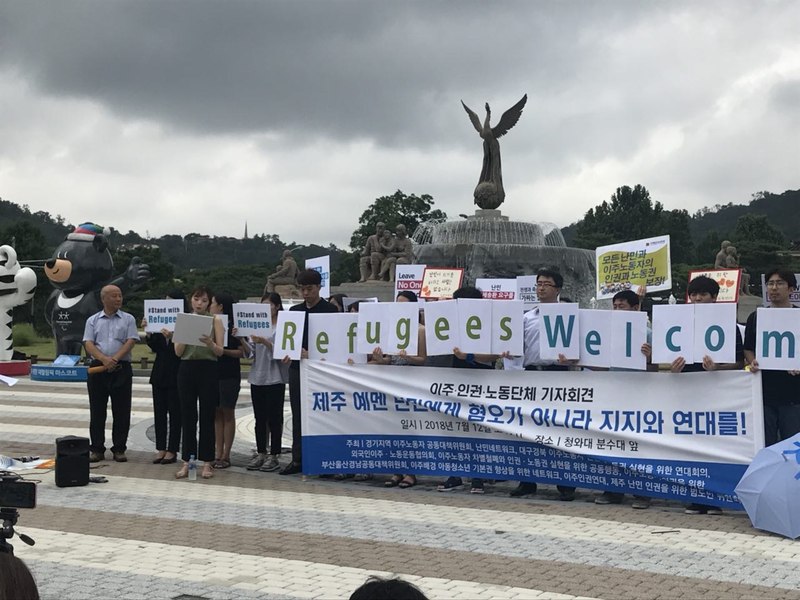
(585, 429)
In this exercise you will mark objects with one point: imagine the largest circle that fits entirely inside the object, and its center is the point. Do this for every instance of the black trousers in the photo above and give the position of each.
(294, 401)
(198, 384)
(117, 385)
(167, 414)
(268, 403)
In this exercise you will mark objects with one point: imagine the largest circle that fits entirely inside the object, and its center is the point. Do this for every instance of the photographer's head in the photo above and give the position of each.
(16, 581)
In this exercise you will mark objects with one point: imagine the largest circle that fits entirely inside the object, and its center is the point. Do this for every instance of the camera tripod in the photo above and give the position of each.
(9, 517)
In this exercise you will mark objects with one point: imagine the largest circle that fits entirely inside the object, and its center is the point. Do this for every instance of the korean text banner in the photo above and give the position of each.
(690, 437)
(629, 265)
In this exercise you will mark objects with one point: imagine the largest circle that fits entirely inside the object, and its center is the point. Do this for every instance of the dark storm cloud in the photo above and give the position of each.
(392, 72)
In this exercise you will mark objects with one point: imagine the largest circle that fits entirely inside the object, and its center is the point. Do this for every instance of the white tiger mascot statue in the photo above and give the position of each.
(16, 288)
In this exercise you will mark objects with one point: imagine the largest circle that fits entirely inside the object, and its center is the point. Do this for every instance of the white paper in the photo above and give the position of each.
(559, 331)
(189, 328)
(441, 327)
(628, 333)
(715, 325)
(474, 325)
(507, 330)
(289, 334)
(673, 326)
(595, 338)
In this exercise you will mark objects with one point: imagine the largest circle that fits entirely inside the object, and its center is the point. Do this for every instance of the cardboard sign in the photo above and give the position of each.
(441, 283)
(628, 265)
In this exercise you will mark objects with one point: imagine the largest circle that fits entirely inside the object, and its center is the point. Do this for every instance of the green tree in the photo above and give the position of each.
(629, 215)
(675, 223)
(410, 210)
(27, 240)
(758, 244)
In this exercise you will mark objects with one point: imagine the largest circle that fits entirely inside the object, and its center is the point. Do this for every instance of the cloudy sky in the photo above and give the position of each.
(196, 116)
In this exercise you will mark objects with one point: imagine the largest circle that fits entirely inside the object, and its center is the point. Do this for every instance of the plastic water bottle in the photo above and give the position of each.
(192, 468)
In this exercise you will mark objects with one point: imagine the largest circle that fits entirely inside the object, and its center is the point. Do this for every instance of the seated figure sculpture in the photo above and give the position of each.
(399, 253)
(285, 274)
(372, 255)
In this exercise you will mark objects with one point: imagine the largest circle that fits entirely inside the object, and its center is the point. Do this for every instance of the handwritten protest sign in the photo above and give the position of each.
(526, 290)
(628, 265)
(441, 283)
(728, 280)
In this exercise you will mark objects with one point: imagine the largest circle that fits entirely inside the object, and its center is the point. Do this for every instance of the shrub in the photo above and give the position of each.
(23, 334)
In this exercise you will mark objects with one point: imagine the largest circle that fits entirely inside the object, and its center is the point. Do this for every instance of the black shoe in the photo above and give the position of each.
(120, 457)
(95, 457)
(523, 489)
(609, 498)
(291, 469)
(169, 461)
(566, 494)
(452, 483)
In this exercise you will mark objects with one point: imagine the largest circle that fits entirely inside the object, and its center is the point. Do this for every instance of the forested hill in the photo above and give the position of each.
(781, 210)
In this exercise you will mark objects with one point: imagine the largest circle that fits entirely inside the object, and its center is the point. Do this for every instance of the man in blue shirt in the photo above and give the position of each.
(109, 336)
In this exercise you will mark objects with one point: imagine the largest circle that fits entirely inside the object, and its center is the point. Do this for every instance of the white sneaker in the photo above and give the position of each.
(256, 462)
(271, 464)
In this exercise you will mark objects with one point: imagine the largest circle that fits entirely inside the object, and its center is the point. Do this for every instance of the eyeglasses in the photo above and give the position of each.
(545, 285)
(776, 283)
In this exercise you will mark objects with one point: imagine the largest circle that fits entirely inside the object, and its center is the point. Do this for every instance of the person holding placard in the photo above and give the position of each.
(198, 384)
(230, 382)
(109, 336)
(267, 380)
(704, 290)
(463, 360)
(310, 282)
(402, 480)
(164, 382)
(548, 288)
(781, 389)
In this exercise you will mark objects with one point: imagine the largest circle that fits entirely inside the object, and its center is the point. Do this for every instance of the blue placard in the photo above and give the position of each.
(56, 373)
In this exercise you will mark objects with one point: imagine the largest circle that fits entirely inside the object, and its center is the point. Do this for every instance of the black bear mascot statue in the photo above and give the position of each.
(80, 267)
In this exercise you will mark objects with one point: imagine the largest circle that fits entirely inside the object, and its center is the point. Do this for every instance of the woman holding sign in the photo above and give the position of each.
(198, 384)
(230, 382)
(164, 381)
(268, 378)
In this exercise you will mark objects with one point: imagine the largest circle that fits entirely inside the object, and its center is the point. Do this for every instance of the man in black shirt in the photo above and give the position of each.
(310, 282)
(780, 389)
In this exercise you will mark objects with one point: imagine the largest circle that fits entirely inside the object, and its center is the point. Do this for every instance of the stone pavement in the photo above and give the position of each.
(260, 535)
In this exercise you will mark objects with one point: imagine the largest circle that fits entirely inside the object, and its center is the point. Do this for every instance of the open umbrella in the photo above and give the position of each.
(770, 488)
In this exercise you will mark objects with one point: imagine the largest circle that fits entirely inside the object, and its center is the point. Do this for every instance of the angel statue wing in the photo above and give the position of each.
(476, 122)
(508, 120)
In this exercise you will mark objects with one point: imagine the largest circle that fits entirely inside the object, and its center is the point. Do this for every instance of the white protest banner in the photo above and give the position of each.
(559, 331)
(526, 290)
(727, 279)
(440, 283)
(289, 334)
(641, 433)
(323, 265)
(474, 325)
(673, 333)
(403, 330)
(507, 328)
(160, 314)
(441, 327)
(332, 337)
(373, 327)
(776, 338)
(189, 328)
(794, 296)
(497, 289)
(595, 328)
(715, 332)
(629, 265)
(628, 334)
(252, 318)
(408, 278)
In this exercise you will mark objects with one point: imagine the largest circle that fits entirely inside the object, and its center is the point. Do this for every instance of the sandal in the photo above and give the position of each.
(183, 472)
(407, 482)
(362, 477)
(394, 481)
(208, 471)
(221, 464)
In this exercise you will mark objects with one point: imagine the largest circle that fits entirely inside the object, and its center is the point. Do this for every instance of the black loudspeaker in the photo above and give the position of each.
(72, 461)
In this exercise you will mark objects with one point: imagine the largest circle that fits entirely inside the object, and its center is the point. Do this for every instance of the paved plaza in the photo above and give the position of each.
(260, 535)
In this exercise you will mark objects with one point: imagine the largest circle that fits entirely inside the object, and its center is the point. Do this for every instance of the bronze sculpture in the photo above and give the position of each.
(285, 274)
(489, 193)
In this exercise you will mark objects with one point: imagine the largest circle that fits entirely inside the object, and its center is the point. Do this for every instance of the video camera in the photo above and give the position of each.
(15, 493)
